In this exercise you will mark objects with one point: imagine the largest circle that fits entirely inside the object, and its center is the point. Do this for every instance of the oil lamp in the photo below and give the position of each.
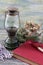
(11, 26)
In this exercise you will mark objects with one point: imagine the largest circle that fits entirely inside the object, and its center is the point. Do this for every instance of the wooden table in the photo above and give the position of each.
(12, 61)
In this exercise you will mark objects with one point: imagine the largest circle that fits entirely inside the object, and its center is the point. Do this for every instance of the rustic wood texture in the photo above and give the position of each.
(12, 61)
(30, 10)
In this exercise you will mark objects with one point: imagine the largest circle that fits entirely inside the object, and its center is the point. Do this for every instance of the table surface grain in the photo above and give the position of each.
(12, 61)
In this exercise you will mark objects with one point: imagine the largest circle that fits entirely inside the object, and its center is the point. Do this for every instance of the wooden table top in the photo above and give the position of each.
(12, 61)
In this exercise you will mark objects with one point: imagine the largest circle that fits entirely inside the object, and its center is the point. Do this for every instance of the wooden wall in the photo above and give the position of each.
(30, 10)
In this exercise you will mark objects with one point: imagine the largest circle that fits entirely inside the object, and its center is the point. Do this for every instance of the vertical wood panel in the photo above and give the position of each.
(29, 9)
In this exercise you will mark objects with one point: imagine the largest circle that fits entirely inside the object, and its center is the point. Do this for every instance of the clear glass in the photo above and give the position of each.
(11, 26)
(12, 21)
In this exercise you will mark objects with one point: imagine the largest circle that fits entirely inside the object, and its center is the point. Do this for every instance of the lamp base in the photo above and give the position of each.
(11, 45)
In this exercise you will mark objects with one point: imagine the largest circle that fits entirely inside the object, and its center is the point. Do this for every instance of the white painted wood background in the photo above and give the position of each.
(30, 10)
